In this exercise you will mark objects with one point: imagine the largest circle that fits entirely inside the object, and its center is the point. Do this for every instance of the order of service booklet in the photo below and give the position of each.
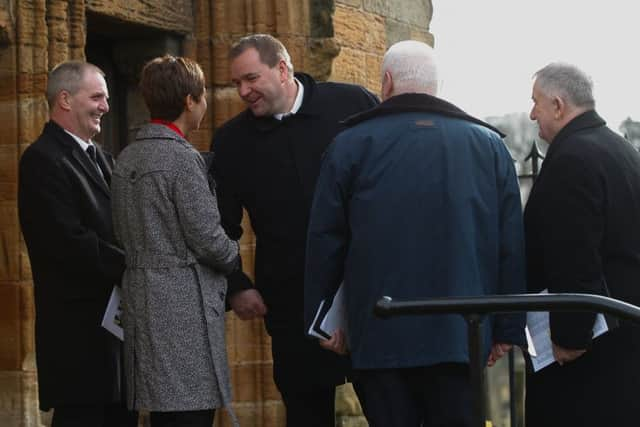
(538, 332)
(330, 316)
(111, 319)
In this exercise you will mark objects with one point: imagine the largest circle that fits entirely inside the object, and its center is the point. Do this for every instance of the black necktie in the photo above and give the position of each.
(91, 151)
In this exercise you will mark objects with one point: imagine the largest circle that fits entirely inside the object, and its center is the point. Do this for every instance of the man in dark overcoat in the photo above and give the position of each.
(266, 161)
(582, 227)
(65, 215)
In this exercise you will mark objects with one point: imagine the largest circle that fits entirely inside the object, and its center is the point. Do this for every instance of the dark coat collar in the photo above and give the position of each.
(67, 141)
(416, 103)
(308, 108)
(586, 120)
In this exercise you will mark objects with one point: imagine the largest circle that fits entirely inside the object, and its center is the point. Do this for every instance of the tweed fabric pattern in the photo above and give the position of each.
(166, 217)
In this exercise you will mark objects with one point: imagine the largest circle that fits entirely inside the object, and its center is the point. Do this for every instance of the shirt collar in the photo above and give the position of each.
(296, 104)
(83, 144)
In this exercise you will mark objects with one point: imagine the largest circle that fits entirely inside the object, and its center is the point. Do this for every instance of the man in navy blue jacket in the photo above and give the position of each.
(416, 199)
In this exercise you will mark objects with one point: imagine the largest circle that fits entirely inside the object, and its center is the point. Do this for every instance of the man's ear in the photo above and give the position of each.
(189, 102)
(63, 100)
(387, 85)
(559, 107)
(283, 71)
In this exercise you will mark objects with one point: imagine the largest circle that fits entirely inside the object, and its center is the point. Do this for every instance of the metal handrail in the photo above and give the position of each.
(386, 306)
(473, 308)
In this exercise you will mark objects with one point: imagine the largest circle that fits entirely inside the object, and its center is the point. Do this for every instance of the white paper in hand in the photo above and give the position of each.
(538, 333)
(329, 318)
(111, 319)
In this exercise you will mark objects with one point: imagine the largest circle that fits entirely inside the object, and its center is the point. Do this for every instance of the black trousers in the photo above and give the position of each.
(309, 398)
(599, 388)
(431, 396)
(115, 415)
(183, 418)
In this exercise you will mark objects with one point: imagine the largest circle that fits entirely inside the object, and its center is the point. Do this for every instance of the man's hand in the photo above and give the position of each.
(497, 351)
(248, 304)
(564, 355)
(337, 343)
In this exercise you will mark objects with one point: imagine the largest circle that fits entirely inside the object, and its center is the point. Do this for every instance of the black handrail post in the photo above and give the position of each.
(475, 306)
(476, 367)
(512, 389)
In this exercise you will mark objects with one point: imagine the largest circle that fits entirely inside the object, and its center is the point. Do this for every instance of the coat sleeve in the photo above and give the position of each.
(199, 217)
(509, 328)
(328, 236)
(54, 224)
(574, 228)
(230, 208)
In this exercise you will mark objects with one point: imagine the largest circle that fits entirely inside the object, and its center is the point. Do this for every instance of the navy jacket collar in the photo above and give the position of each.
(416, 102)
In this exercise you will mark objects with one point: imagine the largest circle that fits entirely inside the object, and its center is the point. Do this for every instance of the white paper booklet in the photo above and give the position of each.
(111, 319)
(538, 334)
(330, 318)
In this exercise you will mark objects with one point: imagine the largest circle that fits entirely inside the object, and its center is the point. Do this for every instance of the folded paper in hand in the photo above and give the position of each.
(331, 315)
(538, 333)
(111, 319)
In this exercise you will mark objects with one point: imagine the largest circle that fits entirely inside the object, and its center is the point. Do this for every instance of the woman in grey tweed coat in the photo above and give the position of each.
(177, 254)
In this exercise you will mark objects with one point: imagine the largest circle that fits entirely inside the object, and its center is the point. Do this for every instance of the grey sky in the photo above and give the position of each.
(490, 49)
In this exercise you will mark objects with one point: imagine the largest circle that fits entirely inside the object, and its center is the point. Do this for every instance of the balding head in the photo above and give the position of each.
(409, 66)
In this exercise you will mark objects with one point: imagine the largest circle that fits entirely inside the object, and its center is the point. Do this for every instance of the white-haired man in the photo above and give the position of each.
(582, 227)
(416, 199)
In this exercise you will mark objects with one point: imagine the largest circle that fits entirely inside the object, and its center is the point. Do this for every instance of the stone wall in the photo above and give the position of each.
(331, 39)
(364, 29)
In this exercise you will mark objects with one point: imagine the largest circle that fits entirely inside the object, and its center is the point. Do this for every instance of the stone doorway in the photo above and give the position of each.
(121, 49)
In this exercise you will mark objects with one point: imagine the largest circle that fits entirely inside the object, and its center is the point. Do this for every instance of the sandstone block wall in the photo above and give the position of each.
(341, 40)
(364, 29)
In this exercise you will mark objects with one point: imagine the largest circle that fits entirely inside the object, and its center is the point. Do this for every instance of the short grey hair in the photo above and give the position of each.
(568, 82)
(68, 76)
(413, 67)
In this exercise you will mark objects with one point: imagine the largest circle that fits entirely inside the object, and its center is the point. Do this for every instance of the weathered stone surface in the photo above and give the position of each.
(27, 323)
(9, 241)
(292, 17)
(320, 57)
(248, 343)
(227, 104)
(349, 66)
(352, 3)
(8, 174)
(10, 331)
(423, 36)
(360, 30)
(322, 18)
(263, 414)
(167, 15)
(373, 67)
(397, 31)
(416, 12)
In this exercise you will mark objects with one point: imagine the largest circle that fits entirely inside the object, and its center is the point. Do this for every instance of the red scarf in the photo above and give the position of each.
(170, 125)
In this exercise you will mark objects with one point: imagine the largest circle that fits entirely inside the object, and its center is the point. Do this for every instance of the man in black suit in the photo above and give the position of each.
(267, 160)
(65, 215)
(582, 228)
